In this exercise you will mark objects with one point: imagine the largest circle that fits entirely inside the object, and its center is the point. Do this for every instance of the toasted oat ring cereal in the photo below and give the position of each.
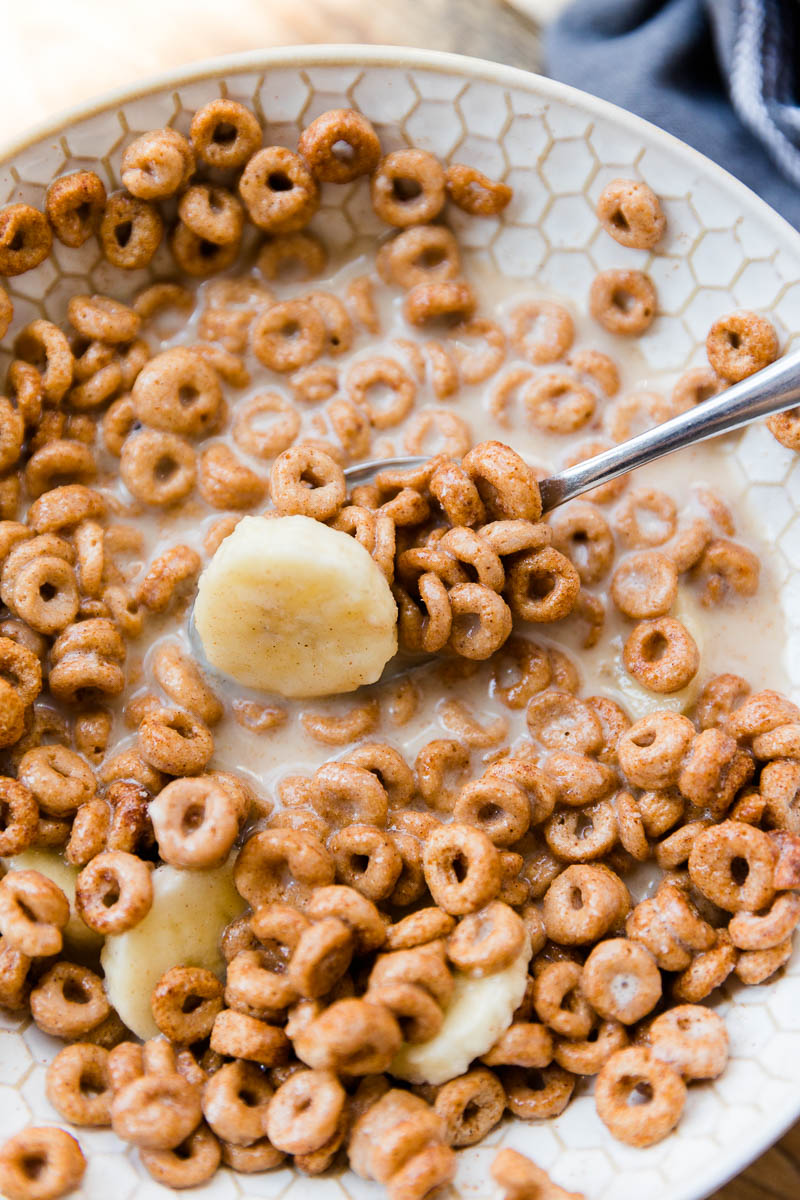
(193, 1162)
(662, 655)
(185, 1003)
(659, 511)
(301, 253)
(420, 254)
(25, 239)
(624, 302)
(199, 256)
(224, 133)
(542, 586)
(177, 392)
(45, 346)
(486, 941)
(450, 300)
(558, 404)
(462, 868)
(457, 495)
(621, 981)
(418, 1014)
(237, 1035)
(79, 1086)
(559, 1001)
(114, 892)
(33, 913)
(538, 786)
(130, 231)
(183, 682)
(645, 585)
(582, 533)
(481, 620)
(69, 1001)
(288, 335)
(586, 830)
(471, 1106)
(175, 742)
(476, 193)
(212, 213)
(19, 807)
(741, 343)
(308, 482)
(524, 1044)
(366, 859)
(542, 331)
(496, 806)
(649, 1121)
(505, 482)
(339, 146)
(344, 792)
(537, 1093)
(21, 666)
(266, 855)
(408, 188)
(418, 928)
(235, 1102)
(583, 904)
(249, 432)
(350, 1037)
(751, 931)
(305, 1111)
(279, 192)
(589, 1056)
(25, 389)
(104, 319)
(225, 482)
(560, 720)
(157, 164)
(195, 820)
(40, 1164)
(156, 1112)
(389, 767)
(692, 1039)
(733, 865)
(630, 211)
(74, 205)
(158, 468)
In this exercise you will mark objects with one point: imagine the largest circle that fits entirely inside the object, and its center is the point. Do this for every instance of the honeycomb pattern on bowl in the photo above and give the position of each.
(723, 249)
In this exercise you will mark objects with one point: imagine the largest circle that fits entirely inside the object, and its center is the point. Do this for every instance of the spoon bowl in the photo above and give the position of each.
(771, 390)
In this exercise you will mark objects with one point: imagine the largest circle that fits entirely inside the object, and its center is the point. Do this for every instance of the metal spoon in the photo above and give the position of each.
(771, 390)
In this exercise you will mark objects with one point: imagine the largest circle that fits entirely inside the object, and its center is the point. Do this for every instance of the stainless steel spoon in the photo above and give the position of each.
(771, 390)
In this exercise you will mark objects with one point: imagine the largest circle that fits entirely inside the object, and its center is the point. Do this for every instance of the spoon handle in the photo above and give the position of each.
(771, 390)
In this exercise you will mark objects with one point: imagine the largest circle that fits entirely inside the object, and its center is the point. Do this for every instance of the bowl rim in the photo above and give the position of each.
(402, 57)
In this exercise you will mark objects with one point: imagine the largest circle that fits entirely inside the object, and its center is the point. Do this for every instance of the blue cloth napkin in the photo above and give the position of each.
(722, 75)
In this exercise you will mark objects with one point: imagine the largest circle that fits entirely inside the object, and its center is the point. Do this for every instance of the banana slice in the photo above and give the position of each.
(77, 935)
(289, 605)
(183, 928)
(480, 1010)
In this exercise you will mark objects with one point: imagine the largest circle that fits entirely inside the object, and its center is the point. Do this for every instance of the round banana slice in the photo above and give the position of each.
(480, 1010)
(288, 605)
(183, 928)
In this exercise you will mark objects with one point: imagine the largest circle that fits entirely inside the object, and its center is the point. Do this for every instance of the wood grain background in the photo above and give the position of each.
(57, 54)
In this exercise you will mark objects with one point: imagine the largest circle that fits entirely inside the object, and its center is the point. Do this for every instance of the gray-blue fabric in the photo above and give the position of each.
(722, 75)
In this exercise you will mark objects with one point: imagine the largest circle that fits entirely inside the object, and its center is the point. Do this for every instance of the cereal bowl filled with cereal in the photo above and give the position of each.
(276, 919)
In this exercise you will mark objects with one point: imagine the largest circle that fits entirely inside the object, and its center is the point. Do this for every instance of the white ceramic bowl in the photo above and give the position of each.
(725, 248)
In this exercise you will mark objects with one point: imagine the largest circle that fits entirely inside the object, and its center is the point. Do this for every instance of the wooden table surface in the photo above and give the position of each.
(57, 54)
